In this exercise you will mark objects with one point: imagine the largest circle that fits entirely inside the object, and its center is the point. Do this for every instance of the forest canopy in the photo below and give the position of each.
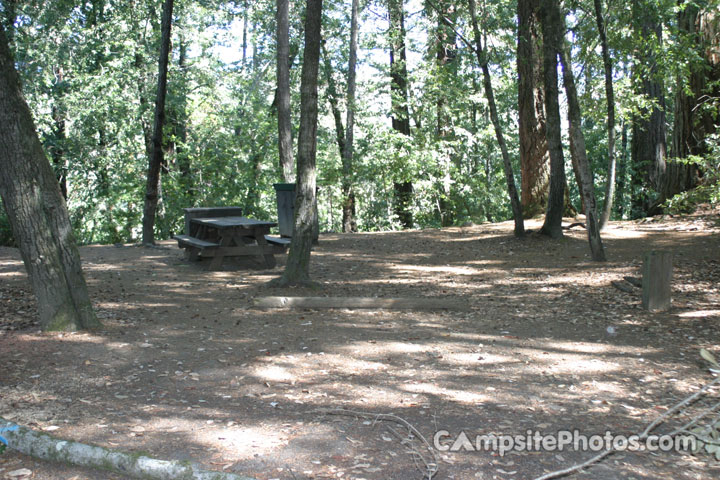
(89, 73)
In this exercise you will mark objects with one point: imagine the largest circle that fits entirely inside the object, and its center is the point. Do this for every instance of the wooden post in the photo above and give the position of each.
(657, 273)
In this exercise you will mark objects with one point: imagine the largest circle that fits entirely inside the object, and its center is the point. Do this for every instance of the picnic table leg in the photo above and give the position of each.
(191, 253)
(217, 260)
(270, 261)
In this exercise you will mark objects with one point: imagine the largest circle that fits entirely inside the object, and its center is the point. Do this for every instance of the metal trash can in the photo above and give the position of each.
(285, 194)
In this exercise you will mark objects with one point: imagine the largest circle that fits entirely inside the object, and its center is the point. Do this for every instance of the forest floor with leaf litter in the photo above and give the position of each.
(187, 368)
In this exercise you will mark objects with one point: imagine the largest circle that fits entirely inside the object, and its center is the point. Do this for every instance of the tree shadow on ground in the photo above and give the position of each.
(187, 368)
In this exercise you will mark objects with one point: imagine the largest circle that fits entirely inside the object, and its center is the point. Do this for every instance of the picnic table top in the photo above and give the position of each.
(229, 222)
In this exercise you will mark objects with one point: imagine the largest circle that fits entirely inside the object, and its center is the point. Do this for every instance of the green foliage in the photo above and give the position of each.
(708, 192)
(89, 76)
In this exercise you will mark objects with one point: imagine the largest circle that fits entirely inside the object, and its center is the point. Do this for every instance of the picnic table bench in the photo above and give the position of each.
(231, 236)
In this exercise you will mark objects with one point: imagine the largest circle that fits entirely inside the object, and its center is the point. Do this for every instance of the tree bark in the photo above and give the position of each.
(552, 41)
(610, 100)
(648, 147)
(285, 146)
(583, 169)
(693, 122)
(37, 211)
(534, 159)
(403, 190)
(297, 269)
(495, 118)
(157, 157)
(349, 221)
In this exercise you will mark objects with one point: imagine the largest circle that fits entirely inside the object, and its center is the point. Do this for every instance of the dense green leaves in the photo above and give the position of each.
(89, 72)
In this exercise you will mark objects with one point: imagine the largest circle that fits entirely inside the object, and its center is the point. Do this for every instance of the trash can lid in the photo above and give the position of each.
(287, 187)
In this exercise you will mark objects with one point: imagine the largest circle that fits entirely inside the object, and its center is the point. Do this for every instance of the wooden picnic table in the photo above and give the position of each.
(220, 237)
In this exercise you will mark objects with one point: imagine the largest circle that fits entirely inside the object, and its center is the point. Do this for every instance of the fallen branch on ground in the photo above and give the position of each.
(623, 286)
(45, 447)
(430, 465)
(645, 433)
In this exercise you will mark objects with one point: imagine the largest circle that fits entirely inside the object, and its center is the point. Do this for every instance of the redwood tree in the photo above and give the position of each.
(37, 211)
(534, 160)
(695, 116)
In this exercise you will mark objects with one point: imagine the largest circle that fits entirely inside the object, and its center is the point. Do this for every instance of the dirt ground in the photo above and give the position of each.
(187, 368)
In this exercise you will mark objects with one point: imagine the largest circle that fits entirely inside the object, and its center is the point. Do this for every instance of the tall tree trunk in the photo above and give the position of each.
(156, 160)
(348, 221)
(297, 269)
(403, 189)
(610, 100)
(444, 44)
(495, 118)
(622, 171)
(285, 147)
(534, 159)
(37, 211)
(649, 147)
(583, 170)
(693, 121)
(552, 40)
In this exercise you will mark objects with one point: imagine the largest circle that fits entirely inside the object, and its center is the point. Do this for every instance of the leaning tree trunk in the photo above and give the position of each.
(156, 159)
(610, 100)
(552, 40)
(534, 160)
(285, 147)
(349, 222)
(297, 268)
(495, 118)
(580, 152)
(37, 211)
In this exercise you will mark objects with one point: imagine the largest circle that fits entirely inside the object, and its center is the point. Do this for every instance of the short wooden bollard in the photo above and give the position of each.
(656, 279)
